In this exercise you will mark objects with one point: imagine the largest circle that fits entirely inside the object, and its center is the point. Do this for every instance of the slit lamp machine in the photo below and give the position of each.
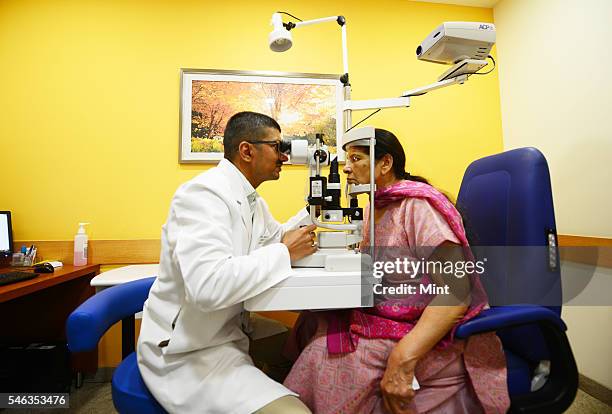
(464, 46)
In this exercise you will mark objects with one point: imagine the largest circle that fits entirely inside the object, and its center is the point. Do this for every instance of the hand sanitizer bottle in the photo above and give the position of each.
(80, 246)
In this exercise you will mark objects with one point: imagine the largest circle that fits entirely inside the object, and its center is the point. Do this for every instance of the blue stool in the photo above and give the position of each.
(88, 323)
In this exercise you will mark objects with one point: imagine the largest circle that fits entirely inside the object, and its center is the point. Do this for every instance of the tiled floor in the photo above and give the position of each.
(584, 403)
(95, 398)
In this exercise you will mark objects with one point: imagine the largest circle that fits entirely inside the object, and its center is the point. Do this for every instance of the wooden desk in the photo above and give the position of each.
(36, 310)
(45, 280)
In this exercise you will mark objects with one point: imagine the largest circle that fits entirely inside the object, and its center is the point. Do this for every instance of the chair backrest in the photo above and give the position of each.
(507, 203)
(87, 323)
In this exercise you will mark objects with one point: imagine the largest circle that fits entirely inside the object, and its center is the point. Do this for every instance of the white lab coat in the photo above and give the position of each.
(192, 352)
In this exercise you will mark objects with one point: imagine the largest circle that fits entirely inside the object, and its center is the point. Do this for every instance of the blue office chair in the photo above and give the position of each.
(506, 200)
(88, 323)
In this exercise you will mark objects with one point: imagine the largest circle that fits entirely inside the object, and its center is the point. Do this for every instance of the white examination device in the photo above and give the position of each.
(452, 42)
(333, 277)
(337, 250)
(465, 45)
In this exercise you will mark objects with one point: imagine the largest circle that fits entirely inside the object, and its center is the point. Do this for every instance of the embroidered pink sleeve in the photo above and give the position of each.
(425, 227)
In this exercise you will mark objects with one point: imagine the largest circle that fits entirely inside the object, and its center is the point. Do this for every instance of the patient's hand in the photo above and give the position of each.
(396, 385)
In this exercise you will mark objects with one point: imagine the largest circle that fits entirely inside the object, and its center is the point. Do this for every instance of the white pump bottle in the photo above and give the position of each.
(80, 246)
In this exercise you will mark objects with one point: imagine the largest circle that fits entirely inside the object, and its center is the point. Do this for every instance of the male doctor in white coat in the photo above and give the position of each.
(220, 246)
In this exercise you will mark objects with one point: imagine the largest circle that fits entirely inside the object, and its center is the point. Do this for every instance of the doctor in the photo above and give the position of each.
(220, 246)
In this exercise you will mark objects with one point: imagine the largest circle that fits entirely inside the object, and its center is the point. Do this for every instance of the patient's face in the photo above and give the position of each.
(357, 166)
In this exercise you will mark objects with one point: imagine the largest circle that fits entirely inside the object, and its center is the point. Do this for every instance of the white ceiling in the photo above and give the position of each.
(473, 3)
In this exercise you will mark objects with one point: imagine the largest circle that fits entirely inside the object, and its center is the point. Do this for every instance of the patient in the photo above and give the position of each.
(363, 360)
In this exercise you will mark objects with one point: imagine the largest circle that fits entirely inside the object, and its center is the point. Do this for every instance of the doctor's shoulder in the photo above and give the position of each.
(204, 186)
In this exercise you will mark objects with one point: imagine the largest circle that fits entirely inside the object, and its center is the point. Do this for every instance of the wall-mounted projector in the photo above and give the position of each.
(452, 42)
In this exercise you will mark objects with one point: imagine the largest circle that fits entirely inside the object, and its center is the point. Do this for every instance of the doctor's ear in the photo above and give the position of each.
(245, 151)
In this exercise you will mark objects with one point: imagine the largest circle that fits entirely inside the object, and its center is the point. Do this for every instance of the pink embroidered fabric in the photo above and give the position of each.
(469, 376)
(419, 219)
(340, 369)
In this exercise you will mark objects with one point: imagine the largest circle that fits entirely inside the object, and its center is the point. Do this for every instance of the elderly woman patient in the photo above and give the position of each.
(364, 360)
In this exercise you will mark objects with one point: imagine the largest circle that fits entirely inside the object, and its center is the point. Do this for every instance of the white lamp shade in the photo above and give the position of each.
(280, 40)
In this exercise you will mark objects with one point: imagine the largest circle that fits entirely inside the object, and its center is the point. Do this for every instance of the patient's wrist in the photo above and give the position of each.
(404, 353)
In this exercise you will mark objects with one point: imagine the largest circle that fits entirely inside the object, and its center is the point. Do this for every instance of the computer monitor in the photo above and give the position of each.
(6, 234)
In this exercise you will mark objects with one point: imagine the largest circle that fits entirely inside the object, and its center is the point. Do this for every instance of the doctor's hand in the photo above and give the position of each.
(300, 242)
(396, 385)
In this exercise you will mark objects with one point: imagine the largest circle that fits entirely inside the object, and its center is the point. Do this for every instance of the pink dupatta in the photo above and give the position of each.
(394, 319)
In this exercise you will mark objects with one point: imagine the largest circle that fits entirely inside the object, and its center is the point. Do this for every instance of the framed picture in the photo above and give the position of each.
(303, 104)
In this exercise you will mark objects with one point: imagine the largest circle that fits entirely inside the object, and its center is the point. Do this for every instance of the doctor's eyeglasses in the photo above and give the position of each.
(282, 147)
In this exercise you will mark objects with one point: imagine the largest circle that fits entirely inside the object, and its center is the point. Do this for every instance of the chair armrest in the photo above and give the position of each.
(87, 323)
(506, 316)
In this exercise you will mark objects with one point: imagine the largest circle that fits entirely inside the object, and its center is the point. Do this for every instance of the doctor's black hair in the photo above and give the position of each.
(245, 126)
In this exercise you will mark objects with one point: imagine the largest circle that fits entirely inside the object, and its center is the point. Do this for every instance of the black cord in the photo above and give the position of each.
(373, 113)
(289, 14)
(416, 94)
(489, 71)
(477, 73)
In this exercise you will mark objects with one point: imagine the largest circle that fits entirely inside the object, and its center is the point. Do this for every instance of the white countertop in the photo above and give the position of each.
(125, 274)
(306, 288)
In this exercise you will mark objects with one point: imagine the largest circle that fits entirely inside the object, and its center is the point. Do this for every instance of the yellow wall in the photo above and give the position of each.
(89, 98)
